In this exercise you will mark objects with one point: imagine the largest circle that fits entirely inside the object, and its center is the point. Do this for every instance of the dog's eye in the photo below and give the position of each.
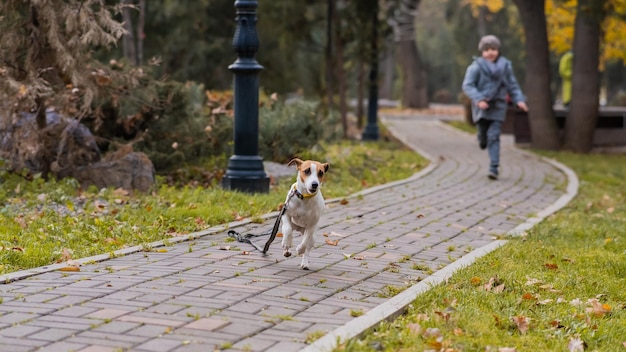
(307, 172)
(320, 174)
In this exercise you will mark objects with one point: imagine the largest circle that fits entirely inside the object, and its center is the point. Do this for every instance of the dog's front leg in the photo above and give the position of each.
(287, 230)
(305, 246)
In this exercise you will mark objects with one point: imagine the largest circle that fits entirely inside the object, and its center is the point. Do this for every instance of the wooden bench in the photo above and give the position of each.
(610, 127)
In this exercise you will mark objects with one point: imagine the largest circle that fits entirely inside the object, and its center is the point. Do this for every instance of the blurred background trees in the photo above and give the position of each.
(154, 75)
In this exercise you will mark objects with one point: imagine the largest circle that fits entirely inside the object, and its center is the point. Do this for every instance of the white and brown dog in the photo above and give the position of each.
(304, 206)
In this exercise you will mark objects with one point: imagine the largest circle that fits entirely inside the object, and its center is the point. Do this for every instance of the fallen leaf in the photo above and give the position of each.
(346, 255)
(545, 301)
(419, 216)
(576, 345)
(343, 201)
(225, 248)
(70, 268)
(332, 243)
(522, 323)
(507, 349)
(415, 328)
(576, 302)
(161, 250)
(532, 281)
(528, 296)
(443, 315)
(475, 281)
(597, 308)
(551, 266)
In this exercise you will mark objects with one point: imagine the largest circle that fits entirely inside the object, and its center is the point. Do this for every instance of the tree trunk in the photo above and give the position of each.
(360, 94)
(582, 117)
(340, 73)
(329, 52)
(482, 21)
(543, 126)
(128, 41)
(415, 87)
(141, 24)
(388, 70)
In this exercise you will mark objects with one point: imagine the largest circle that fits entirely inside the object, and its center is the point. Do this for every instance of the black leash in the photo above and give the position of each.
(247, 237)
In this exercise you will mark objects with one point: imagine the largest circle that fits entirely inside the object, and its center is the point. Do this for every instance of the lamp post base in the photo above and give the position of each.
(246, 174)
(370, 133)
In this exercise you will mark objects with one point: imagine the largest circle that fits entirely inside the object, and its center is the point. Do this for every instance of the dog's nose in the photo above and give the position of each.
(314, 185)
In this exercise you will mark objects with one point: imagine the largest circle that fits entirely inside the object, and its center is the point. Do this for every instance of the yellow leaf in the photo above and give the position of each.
(332, 243)
(70, 268)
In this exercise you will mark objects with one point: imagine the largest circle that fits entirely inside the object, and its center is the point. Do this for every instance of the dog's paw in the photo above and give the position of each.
(305, 263)
(287, 253)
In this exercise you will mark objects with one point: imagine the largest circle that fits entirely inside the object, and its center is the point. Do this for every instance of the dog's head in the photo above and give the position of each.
(310, 173)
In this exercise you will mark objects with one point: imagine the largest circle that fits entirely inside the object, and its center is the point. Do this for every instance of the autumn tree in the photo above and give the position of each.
(537, 85)
(414, 74)
(583, 113)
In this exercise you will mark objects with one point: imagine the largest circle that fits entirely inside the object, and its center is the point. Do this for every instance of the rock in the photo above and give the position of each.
(132, 171)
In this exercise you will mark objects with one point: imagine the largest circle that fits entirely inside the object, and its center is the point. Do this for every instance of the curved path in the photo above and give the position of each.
(195, 296)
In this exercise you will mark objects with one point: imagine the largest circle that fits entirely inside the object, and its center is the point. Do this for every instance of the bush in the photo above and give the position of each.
(285, 130)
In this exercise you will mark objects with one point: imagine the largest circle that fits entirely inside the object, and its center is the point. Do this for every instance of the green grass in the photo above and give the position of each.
(47, 222)
(558, 287)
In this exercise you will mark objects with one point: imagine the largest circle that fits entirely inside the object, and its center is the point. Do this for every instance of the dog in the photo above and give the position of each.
(304, 206)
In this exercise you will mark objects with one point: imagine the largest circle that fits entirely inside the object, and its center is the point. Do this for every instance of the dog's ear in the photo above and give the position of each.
(296, 161)
(326, 166)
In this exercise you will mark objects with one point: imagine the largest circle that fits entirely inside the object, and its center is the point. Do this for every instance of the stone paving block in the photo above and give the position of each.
(52, 334)
(74, 311)
(145, 330)
(117, 327)
(167, 308)
(19, 330)
(12, 344)
(254, 344)
(63, 346)
(52, 321)
(17, 318)
(17, 306)
(161, 344)
(286, 346)
(207, 324)
(148, 318)
(107, 313)
(111, 302)
(69, 300)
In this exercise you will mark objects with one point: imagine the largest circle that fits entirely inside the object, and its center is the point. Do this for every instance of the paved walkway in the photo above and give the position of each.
(196, 296)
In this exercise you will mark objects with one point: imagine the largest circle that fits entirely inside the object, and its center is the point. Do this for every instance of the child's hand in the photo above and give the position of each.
(483, 104)
(522, 105)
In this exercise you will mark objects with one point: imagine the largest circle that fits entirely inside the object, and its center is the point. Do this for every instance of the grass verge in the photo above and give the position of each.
(560, 287)
(56, 221)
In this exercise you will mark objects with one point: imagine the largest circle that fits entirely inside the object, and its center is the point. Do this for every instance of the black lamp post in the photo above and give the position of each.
(371, 129)
(245, 170)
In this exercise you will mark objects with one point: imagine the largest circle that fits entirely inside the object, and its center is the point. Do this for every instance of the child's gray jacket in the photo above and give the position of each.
(481, 83)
